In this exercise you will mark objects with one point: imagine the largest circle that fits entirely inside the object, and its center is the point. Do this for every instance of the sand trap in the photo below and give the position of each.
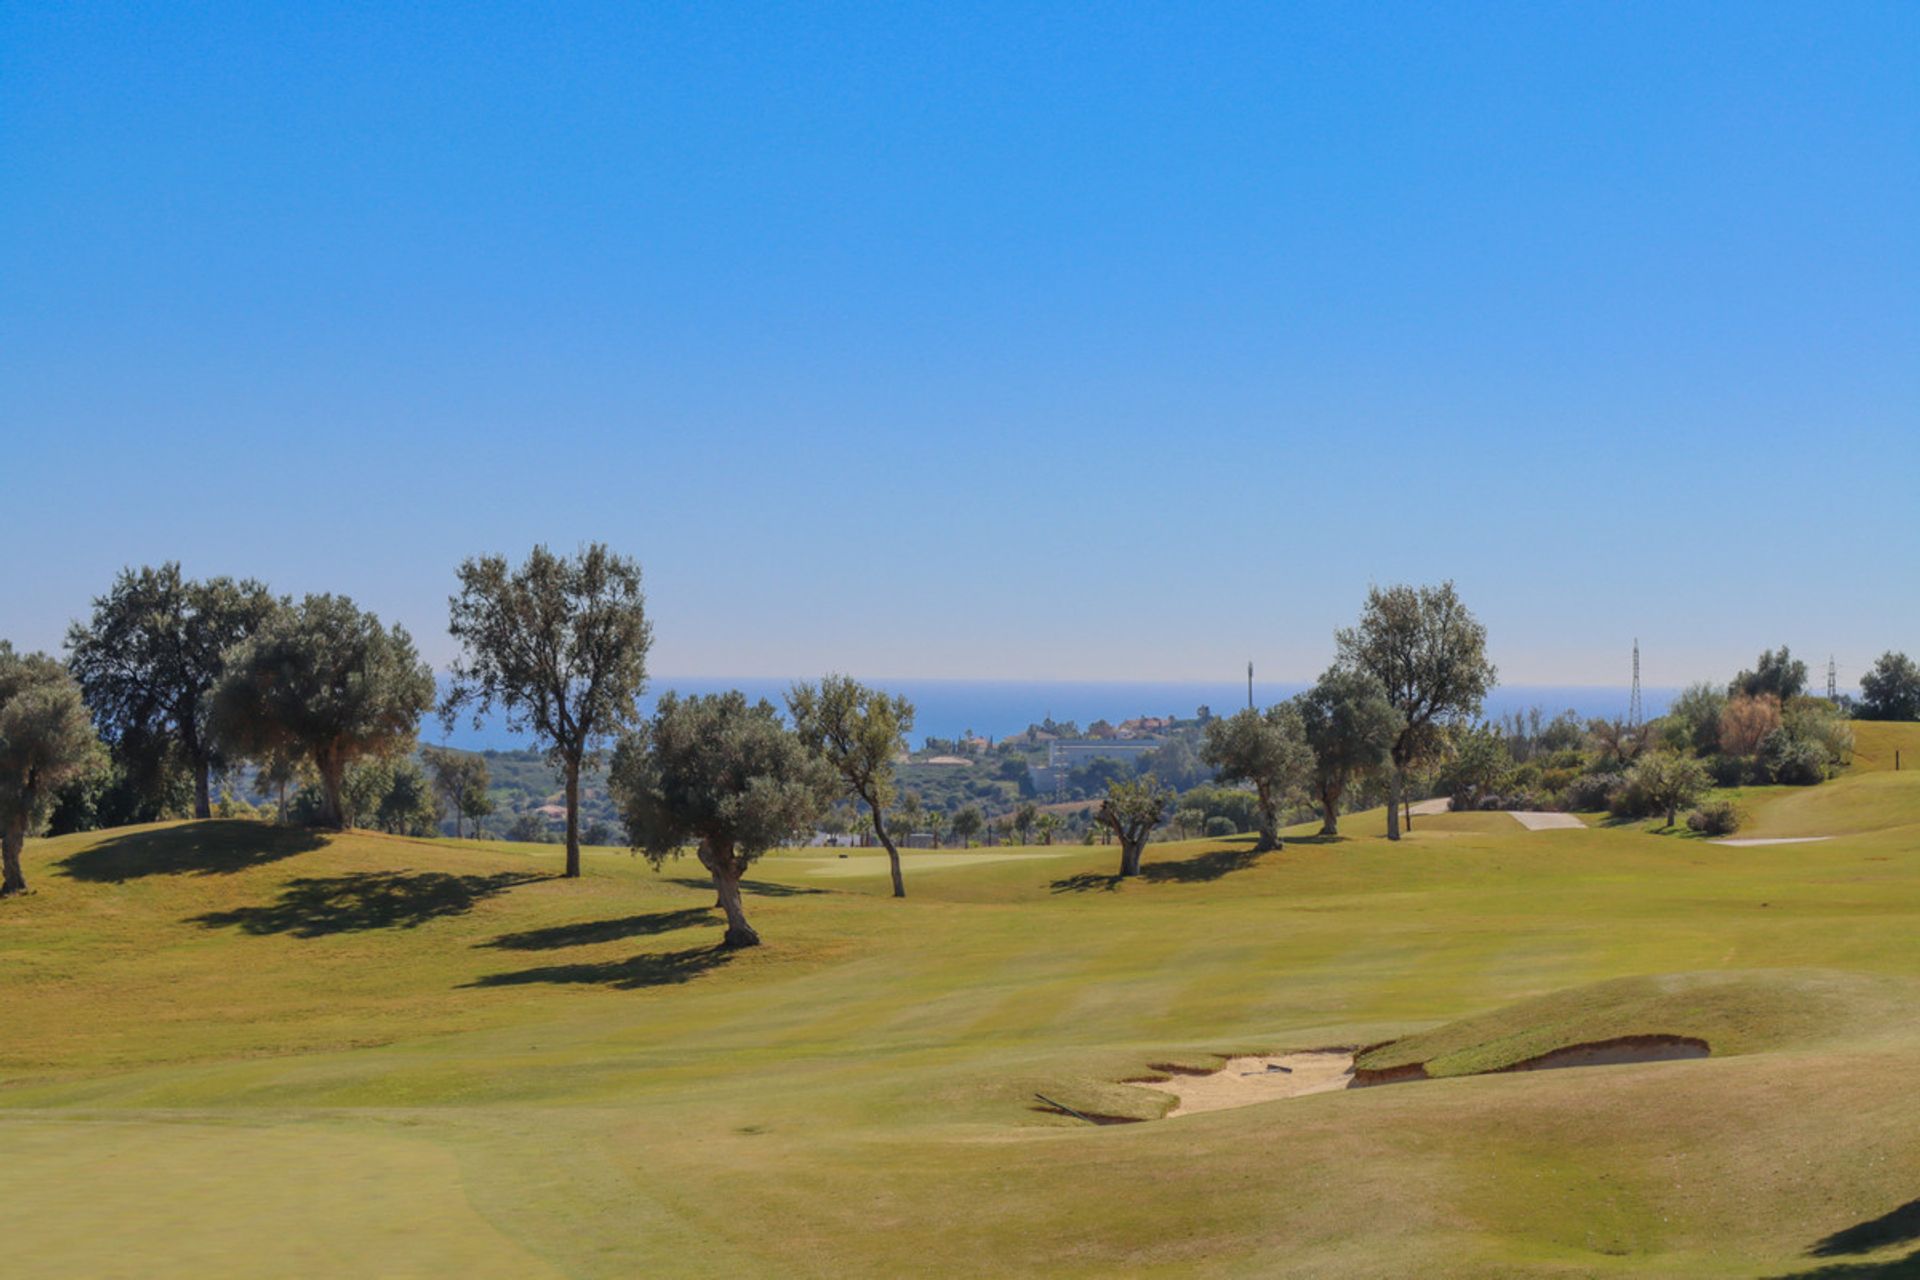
(1547, 821)
(1754, 840)
(1244, 1081)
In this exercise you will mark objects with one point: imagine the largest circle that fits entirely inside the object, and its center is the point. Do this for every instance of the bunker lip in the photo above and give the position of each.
(1246, 1079)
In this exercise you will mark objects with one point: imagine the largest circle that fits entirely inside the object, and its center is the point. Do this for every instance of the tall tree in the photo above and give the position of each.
(725, 776)
(561, 645)
(1780, 674)
(861, 732)
(1891, 689)
(1266, 749)
(461, 780)
(153, 651)
(324, 683)
(967, 823)
(1351, 727)
(1430, 654)
(46, 741)
(1024, 819)
(1131, 811)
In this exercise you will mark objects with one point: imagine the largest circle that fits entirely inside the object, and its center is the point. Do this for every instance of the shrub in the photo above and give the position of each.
(1220, 826)
(1728, 771)
(1746, 721)
(1631, 799)
(1590, 792)
(1715, 818)
(1792, 761)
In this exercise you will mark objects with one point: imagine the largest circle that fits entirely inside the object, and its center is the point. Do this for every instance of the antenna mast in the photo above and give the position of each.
(1249, 684)
(1633, 704)
(1833, 680)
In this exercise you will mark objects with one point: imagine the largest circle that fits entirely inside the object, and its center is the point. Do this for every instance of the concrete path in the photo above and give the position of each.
(1428, 808)
(1547, 821)
(1754, 840)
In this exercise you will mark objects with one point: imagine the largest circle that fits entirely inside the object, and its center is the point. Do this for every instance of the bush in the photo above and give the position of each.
(1590, 792)
(1631, 799)
(1792, 761)
(1715, 818)
(1220, 826)
(1728, 771)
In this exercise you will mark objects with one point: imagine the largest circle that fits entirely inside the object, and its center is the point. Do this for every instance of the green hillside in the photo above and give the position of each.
(264, 1052)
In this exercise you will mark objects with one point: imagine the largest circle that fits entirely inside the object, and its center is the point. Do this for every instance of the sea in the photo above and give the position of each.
(1000, 708)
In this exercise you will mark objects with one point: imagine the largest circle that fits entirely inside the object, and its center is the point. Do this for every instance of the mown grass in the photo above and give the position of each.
(231, 1050)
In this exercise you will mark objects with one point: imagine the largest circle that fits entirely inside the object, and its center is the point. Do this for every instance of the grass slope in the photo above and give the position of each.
(234, 1050)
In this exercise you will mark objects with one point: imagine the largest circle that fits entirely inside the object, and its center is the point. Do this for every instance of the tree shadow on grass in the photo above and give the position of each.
(758, 888)
(658, 969)
(363, 900)
(1897, 1226)
(212, 848)
(1195, 870)
(1085, 882)
(585, 932)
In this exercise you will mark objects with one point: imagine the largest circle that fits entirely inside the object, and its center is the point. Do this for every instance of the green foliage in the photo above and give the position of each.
(1265, 749)
(1478, 766)
(1692, 723)
(1350, 727)
(461, 779)
(1664, 782)
(1131, 811)
(1891, 689)
(47, 739)
(1779, 674)
(1715, 818)
(968, 823)
(719, 772)
(326, 684)
(152, 653)
(560, 644)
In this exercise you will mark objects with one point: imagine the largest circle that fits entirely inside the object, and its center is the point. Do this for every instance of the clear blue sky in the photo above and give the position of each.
(982, 340)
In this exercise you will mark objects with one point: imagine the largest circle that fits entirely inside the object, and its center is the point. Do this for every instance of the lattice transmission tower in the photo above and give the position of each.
(1833, 680)
(1633, 703)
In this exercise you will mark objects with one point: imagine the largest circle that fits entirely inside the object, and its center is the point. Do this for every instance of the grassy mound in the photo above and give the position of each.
(1735, 1013)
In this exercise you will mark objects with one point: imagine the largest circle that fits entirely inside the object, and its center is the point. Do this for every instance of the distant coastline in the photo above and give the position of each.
(998, 708)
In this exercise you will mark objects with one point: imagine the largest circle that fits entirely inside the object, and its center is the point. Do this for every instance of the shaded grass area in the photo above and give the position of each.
(313, 907)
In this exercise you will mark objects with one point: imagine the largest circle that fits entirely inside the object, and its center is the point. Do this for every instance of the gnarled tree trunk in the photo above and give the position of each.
(333, 772)
(202, 787)
(1269, 823)
(1131, 849)
(893, 854)
(12, 840)
(726, 871)
(1329, 810)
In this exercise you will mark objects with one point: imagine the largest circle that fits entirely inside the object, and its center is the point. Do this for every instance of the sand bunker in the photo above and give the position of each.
(1547, 821)
(1245, 1081)
(1255, 1078)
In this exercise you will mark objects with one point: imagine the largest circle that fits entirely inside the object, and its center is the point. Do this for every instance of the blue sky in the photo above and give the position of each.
(990, 340)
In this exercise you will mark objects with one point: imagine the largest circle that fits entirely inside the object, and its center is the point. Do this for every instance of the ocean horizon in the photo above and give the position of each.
(948, 708)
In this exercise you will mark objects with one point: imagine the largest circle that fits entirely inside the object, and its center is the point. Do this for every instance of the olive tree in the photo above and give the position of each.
(860, 732)
(560, 644)
(1891, 689)
(153, 651)
(326, 684)
(47, 740)
(1131, 811)
(1430, 654)
(724, 776)
(1266, 749)
(1350, 727)
(461, 780)
(1669, 780)
(967, 824)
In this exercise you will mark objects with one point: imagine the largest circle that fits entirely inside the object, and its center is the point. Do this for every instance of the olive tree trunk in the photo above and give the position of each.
(726, 871)
(1394, 784)
(333, 772)
(1329, 810)
(573, 817)
(12, 879)
(202, 787)
(893, 854)
(1130, 851)
(1269, 823)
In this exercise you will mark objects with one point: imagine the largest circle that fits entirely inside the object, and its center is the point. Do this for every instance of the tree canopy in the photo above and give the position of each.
(46, 740)
(1777, 673)
(324, 683)
(560, 644)
(1430, 655)
(861, 733)
(1350, 727)
(725, 776)
(1131, 811)
(1891, 689)
(151, 654)
(1266, 749)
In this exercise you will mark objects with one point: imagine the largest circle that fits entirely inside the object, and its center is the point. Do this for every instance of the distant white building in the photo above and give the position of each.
(1066, 755)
